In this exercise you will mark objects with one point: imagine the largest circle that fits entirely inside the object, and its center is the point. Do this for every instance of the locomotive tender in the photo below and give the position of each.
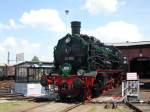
(84, 67)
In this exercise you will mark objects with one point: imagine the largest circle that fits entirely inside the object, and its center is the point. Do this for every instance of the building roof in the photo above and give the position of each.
(130, 43)
(3, 64)
(35, 64)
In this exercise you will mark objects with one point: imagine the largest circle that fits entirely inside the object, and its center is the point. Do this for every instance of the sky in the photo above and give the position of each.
(33, 27)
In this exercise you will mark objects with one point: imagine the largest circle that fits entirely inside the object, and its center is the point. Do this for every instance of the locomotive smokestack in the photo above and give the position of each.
(75, 26)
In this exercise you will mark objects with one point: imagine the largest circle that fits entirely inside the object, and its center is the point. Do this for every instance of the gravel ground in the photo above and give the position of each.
(51, 107)
(58, 107)
(144, 96)
(145, 93)
(100, 108)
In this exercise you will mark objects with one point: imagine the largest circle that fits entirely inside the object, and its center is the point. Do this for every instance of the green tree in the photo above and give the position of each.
(35, 59)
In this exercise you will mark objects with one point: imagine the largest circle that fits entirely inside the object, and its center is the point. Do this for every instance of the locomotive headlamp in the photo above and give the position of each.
(80, 72)
(67, 40)
(66, 69)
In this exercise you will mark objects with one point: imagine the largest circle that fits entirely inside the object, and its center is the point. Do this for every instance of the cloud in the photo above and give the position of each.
(116, 31)
(27, 47)
(7, 45)
(9, 42)
(48, 18)
(96, 6)
(2, 49)
(11, 24)
(19, 46)
(4, 27)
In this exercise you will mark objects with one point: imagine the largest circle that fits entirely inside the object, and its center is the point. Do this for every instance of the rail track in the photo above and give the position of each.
(34, 107)
(105, 106)
(97, 107)
(139, 107)
(52, 106)
(7, 83)
(71, 107)
(83, 107)
(88, 106)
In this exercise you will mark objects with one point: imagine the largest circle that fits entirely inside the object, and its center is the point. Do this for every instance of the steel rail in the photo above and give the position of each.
(136, 108)
(71, 107)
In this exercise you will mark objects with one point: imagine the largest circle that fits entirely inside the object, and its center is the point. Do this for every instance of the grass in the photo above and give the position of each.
(9, 106)
(4, 107)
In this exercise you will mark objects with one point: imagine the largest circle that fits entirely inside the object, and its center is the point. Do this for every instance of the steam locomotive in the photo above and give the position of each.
(84, 67)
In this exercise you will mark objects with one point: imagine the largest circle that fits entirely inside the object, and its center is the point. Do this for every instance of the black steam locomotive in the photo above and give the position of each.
(84, 66)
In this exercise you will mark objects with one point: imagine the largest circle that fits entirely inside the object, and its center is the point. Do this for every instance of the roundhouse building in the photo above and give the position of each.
(137, 55)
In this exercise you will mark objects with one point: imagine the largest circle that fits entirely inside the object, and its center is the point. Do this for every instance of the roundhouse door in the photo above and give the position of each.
(141, 65)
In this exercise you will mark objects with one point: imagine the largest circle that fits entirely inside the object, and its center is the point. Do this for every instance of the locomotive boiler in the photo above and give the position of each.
(84, 67)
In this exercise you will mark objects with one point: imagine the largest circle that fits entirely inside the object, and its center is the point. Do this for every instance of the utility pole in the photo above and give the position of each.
(19, 57)
(8, 58)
